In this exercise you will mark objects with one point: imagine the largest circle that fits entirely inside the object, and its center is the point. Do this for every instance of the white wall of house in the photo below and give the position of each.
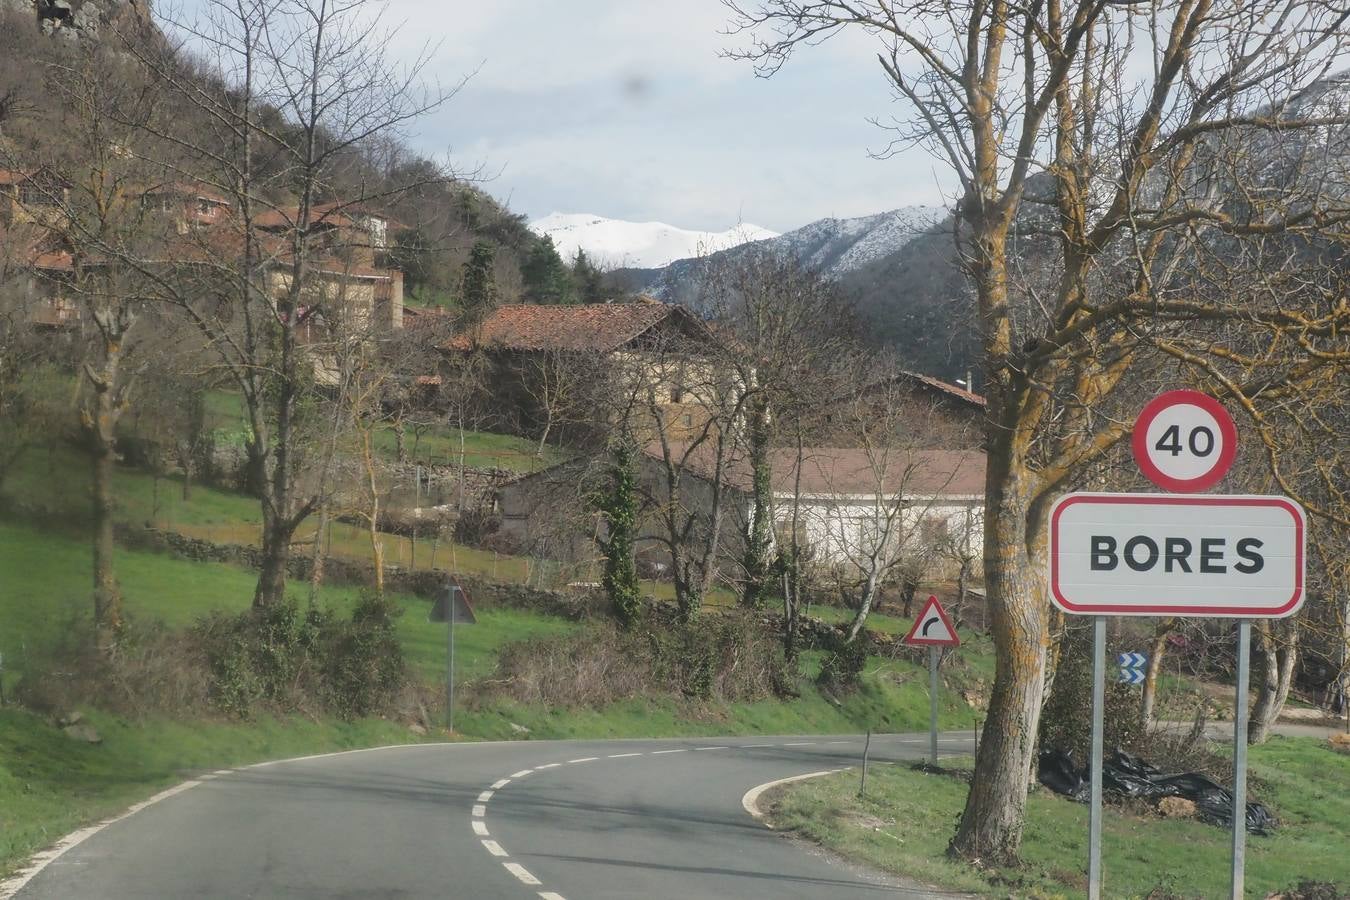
(840, 529)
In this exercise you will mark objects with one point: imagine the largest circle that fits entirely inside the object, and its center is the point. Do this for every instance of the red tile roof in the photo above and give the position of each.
(594, 327)
(334, 213)
(959, 392)
(847, 471)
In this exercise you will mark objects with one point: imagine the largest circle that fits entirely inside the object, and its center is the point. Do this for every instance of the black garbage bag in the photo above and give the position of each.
(1055, 770)
(1215, 806)
(1130, 776)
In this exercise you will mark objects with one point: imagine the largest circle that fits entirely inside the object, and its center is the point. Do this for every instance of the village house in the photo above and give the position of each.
(552, 369)
(350, 278)
(844, 505)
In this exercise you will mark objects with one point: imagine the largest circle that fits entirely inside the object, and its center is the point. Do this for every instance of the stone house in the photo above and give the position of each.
(574, 369)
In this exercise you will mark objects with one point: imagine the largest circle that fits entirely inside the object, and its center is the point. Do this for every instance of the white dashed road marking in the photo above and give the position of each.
(480, 828)
(582, 759)
(522, 773)
(521, 872)
(485, 796)
(549, 766)
(479, 810)
(710, 748)
(801, 744)
(498, 785)
(495, 848)
(659, 752)
(549, 895)
(622, 755)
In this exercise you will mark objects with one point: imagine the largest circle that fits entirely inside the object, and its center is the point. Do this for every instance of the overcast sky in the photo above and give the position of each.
(622, 108)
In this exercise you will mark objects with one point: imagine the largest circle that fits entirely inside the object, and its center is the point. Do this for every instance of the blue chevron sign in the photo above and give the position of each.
(1131, 660)
(1131, 676)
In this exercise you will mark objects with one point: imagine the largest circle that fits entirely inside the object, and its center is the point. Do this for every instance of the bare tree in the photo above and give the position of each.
(282, 99)
(1124, 191)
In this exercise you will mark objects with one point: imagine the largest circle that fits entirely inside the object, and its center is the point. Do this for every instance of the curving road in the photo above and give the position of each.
(555, 820)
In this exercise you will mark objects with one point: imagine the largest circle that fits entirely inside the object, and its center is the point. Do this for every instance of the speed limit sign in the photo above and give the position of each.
(1184, 441)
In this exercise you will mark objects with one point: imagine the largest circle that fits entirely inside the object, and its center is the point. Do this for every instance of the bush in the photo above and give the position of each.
(729, 658)
(280, 659)
(841, 669)
(1066, 717)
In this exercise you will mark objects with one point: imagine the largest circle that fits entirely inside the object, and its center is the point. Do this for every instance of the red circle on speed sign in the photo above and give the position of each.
(1184, 441)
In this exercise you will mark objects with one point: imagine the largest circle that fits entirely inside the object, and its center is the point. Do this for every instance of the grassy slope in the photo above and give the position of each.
(1306, 784)
(438, 444)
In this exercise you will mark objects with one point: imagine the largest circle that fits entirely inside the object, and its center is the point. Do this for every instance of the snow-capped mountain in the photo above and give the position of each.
(833, 247)
(614, 243)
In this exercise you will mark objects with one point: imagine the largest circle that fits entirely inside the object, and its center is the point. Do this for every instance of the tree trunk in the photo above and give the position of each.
(276, 551)
(317, 557)
(991, 825)
(1156, 648)
(107, 594)
(758, 536)
(1280, 650)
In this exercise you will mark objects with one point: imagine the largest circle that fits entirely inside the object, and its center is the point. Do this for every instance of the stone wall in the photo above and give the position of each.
(421, 583)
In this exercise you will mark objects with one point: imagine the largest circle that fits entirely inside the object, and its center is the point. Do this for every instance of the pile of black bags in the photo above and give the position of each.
(1129, 776)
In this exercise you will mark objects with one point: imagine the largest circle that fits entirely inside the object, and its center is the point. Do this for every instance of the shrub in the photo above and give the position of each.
(281, 659)
(842, 668)
(1066, 717)
(731, 658)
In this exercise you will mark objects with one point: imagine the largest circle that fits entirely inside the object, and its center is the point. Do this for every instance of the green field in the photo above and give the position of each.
(437, 444)
(1301, 779)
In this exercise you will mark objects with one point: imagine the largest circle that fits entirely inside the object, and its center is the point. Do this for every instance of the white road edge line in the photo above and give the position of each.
(522, 873)
(495, 848)
(485, 796)
(41, 860)
(479, 811)
(480, 828)
(582, 759)
(500, 783)
(750, 801)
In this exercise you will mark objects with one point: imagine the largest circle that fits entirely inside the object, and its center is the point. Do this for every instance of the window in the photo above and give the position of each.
(688, 420)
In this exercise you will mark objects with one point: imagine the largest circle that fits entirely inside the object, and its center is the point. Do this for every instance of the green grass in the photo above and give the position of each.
(46, 590)
(893, 827)
(437, 444)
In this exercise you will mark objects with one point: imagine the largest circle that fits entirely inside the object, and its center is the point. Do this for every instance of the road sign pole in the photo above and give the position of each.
(933, 653)
(450, 667)
(1244, 655)
(1098, 704)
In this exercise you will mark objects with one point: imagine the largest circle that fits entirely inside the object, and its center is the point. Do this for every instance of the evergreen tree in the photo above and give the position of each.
(478, 287)
(546, 277)
(618, 504)
(590, 281)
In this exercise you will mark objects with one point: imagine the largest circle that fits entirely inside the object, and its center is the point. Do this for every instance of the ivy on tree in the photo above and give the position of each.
(618, 504)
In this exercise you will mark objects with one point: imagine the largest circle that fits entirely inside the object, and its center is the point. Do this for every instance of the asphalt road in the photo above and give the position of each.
(556, 820)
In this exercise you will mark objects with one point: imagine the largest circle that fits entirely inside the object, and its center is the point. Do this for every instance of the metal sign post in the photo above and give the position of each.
(1098, 715)
(451, 606)
(932, 629)
(933, 654)
(450, 674)
(1244, 656)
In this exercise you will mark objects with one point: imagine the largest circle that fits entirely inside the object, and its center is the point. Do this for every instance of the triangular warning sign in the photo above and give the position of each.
(932, 628)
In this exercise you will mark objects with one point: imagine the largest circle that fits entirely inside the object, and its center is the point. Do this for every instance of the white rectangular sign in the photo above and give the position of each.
(1177, 555)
